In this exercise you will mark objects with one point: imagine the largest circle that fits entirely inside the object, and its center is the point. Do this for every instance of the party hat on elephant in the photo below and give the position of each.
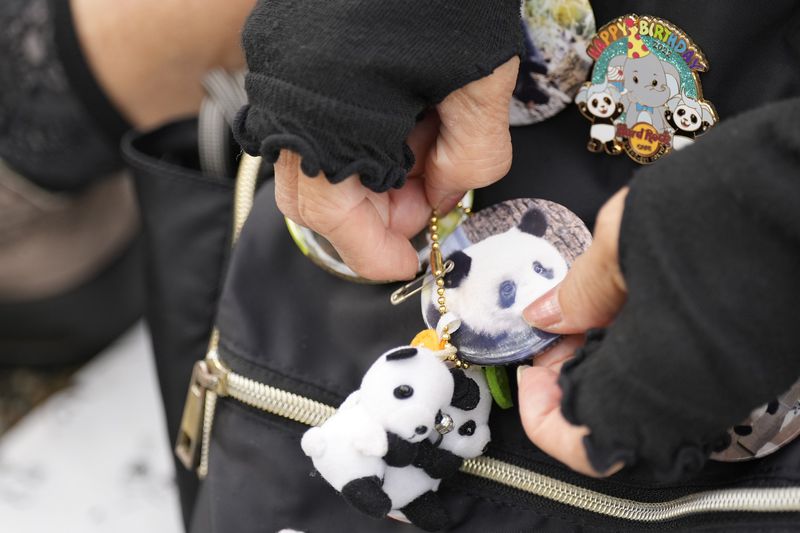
(636, 46)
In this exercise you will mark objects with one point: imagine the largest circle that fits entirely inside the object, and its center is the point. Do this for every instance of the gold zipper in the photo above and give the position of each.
(194, 434)
(221, 382)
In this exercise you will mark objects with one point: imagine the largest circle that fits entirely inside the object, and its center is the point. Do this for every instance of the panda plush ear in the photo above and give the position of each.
(533, 222)
(466, 393)
(401, 353)
(461, 266)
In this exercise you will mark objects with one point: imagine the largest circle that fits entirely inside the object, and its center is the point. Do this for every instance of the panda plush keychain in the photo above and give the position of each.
(422, 409)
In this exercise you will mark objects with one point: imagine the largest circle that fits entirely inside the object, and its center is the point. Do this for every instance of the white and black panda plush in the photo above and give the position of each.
(491, 282)
(381, 424)
(412, 489)
(688, 118)
(601, 105)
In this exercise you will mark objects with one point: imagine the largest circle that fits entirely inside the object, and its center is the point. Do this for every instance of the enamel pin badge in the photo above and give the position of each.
(644, 97)
(554, 63)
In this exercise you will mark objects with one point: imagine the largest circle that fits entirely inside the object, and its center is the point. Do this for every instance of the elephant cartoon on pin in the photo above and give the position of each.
(649, 83)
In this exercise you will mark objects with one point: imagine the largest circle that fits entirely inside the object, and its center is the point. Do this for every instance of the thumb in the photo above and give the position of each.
(473, 148)
(539, 401)
(594, 290)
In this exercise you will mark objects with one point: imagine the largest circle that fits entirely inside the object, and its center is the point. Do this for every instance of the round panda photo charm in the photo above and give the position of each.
(498, 261)
(644, 97)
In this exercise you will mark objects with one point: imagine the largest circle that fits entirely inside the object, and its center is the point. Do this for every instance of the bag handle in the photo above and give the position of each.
(244, 193)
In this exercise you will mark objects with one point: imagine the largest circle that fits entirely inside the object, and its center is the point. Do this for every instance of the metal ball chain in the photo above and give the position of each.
(438, 271)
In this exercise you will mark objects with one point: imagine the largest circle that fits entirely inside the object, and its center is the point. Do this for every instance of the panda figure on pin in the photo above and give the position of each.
(600, 103)
(688, 118)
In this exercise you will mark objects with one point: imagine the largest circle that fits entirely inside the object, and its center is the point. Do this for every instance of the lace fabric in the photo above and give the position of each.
(46, 134)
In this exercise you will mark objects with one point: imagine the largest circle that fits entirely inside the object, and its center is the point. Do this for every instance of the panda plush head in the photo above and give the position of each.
(490, 284)
(405, 389)
(470, 414)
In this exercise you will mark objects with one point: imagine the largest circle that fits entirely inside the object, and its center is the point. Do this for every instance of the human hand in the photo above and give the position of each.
(590, 296)
(463, 144)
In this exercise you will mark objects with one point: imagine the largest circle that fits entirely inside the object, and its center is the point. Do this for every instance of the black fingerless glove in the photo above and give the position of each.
(342, 82)
(710, 251)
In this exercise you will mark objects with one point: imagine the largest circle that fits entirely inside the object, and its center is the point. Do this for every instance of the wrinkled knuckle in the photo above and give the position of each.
(367, 269)
(481, 176)
(286, 202)
(288, 161)
(473, 167)
(505, 160)
(316, 215)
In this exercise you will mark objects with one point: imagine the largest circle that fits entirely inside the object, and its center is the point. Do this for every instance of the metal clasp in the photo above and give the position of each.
(414, 286)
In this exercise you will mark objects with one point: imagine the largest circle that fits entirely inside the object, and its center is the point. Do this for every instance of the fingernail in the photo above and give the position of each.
(545, 311)
(520, 370)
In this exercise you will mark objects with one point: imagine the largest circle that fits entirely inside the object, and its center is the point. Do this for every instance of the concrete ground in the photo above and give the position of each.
(95, 456)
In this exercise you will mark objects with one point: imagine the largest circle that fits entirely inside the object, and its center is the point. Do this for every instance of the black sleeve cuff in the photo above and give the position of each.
(710, 250)
(636, 440)
(343, 82)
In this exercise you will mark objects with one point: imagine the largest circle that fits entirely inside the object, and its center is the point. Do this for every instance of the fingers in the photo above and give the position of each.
(357, 222)
(539, 406)
(539, 400)
(370, 231)
(590, 296)
(594, 290)
(473, 148)
(421, 139)
(370, 249)
(287, 172)
(408, 209)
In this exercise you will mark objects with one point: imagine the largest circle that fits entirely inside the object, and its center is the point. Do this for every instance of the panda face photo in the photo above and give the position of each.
(687, 118)
(503, 258)
(499, 277)
(601, 105)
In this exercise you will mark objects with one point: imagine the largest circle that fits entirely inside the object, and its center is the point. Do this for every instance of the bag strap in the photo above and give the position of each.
(225, 96)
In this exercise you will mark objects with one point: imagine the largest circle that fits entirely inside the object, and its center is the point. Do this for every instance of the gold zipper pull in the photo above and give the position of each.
(207, 377)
